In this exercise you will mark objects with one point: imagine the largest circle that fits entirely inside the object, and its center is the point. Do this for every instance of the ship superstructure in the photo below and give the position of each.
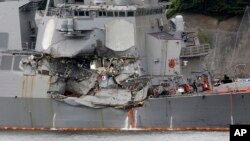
(94, 52)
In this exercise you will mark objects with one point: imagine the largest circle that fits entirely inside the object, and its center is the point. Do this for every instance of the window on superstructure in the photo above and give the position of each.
(76, 13)
(116, 13)
(130, 13)
(100, 13)
(81, 13)
(137, 13)
(154, 11)
(79, 1)
(159, 11)
(4, 38)
(110, 13)
(122, 14)
(6, 62)
(151, 11)
(141, 12)
(104, 13)
(16, 63)
(87, 13)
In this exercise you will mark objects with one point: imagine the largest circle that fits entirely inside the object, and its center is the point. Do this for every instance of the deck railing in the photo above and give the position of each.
(195, 51)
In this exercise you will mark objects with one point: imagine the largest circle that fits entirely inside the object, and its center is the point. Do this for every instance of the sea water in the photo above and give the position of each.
(113, 136)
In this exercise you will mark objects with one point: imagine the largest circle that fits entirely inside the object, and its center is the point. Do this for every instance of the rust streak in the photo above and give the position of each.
(23, 86)
(131, 115)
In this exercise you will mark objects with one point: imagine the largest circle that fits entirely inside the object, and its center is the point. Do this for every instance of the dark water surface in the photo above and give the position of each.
(113, 136)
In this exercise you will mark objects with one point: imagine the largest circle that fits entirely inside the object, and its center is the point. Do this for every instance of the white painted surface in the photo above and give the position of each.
(155, 60)
(120, 35)
(10, 23)
(179, 23)
(48, 34)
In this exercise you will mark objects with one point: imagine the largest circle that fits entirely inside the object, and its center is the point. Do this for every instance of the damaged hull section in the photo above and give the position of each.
(70, 80)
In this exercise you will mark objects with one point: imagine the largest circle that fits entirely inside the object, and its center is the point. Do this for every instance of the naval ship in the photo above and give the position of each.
(106, 65)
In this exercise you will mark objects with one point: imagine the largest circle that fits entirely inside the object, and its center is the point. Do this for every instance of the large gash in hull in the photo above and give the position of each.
(92, 68)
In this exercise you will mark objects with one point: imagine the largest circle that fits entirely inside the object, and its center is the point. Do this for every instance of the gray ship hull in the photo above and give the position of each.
(207, 111)
(184, 112)
(45, 113)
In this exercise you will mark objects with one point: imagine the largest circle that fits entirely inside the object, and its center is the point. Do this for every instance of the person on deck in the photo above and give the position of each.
(226, 79)
(195, 86)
